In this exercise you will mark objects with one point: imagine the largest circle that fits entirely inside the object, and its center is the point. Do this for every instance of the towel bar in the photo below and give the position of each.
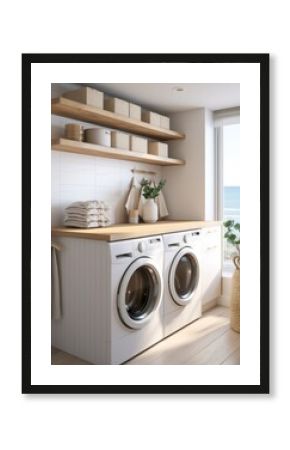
(148, 172)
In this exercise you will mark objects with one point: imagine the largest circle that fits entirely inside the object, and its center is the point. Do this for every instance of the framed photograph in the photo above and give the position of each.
(145, 218)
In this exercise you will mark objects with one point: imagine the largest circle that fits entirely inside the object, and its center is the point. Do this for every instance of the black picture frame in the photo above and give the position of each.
(263, 61)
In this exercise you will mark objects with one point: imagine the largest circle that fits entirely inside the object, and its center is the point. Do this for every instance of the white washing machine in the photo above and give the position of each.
(111, 295)
(182, 275)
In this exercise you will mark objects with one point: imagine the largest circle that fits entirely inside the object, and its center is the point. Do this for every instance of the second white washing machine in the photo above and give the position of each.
(182, 279)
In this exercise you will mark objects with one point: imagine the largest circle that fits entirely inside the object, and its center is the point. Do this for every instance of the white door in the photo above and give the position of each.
(140, 293)
(184, 276)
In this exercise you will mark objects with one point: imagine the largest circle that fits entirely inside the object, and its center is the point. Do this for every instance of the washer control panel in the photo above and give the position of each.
(188, 238)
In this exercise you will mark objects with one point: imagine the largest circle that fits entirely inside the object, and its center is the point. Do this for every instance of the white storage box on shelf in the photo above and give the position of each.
(88, 96)
(134, 111)
(151, 117)
(138, 144)
(120, 140)
(99, 136)
(117, 106)
(165, 122)
(158, 149)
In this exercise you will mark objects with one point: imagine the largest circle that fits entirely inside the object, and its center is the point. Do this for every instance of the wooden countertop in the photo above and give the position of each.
(130, 231)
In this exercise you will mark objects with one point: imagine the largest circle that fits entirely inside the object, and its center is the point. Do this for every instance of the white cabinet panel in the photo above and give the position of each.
(212, 265)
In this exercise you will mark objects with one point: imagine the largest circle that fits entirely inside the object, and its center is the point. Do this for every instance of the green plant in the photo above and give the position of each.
(149, 191)
(232, 234)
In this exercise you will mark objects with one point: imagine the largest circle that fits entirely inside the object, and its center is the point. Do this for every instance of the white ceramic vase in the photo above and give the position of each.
(150, 211)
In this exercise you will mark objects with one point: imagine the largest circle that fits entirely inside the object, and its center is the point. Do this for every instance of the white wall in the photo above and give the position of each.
(190, 189)
(79, 177)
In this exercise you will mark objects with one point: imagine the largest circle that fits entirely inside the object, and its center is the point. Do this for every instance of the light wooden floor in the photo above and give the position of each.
(209, 340)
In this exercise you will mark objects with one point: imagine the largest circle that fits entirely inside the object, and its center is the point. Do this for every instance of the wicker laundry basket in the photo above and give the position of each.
(235, 297)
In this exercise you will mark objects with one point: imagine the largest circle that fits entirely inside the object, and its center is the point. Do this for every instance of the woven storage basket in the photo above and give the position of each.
(235, 297)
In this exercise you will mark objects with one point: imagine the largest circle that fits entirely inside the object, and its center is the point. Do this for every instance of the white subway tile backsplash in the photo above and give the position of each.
(55, 168)
(69, 160)
(80, 178)
(74, 193)
(77, 169)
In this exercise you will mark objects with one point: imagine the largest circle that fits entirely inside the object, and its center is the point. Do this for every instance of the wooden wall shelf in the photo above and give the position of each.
(68, 108)
(84, 148)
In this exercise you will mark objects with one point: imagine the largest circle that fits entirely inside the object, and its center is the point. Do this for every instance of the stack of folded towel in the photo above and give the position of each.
(89, 214)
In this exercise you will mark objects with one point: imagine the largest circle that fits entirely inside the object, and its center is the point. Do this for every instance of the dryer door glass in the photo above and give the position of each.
(141, 293)
(186, 276)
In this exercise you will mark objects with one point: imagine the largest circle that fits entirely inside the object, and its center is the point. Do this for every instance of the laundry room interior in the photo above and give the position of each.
(145, 217)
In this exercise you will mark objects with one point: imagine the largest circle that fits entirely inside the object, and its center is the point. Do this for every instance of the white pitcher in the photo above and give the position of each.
(150, 211)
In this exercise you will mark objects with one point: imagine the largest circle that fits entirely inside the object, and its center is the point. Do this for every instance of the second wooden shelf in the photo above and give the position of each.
(66, 145)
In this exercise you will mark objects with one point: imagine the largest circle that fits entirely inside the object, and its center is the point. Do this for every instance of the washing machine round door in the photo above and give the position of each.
(184, 276)
(140, 293)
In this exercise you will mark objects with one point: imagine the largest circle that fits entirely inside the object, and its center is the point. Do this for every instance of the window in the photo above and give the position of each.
(228, 175)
